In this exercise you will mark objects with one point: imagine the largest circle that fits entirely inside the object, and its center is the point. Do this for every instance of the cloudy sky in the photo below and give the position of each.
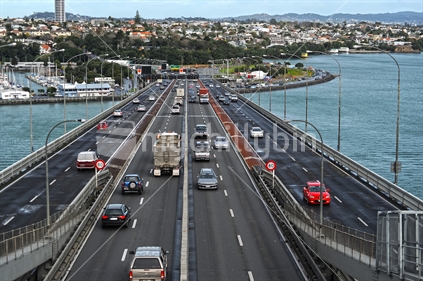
(160, 9)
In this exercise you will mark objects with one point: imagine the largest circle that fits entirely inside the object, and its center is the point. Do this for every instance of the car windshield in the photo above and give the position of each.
(131, 178)
(113, 212)
(207, 175)
(201, 128)
(256, 129)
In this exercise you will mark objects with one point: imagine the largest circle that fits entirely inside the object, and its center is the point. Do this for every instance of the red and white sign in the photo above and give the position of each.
(139, 71)
(100, 164)
(271, 165)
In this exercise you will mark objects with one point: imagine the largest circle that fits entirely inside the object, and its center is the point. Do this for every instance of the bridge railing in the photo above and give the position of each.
(389, 189)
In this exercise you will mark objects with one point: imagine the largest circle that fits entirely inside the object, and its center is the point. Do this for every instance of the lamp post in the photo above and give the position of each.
(339, 98)
(321, 165)
(31, 145)
(284, 85)
(86, 86)
(64, 86)
(46, 156)
(396, 164)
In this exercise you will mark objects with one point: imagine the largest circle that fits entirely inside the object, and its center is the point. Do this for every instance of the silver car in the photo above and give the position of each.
(221, 143)
(207, 179)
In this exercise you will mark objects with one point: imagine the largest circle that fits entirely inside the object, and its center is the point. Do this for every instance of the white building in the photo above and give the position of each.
(82, 90)
(60, 14)
(14, 94)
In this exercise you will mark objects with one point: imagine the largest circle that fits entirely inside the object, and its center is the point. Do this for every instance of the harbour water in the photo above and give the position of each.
(369, 99)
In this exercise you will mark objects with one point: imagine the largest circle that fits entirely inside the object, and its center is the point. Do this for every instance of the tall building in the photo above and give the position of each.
(60, 10)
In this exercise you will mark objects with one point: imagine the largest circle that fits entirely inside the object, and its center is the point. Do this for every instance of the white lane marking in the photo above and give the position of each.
(240, 240)
(293, 159)
(52, 182)
(217, 165)
(250, 276)
(124, 254)
(305, 170)
(232, 212)
(362, 221)
(221, 178)
(214, 155)
(97, 142)
(339, 200)
(134, 224)
(224, 191)
(67, 169)
(146, 184)
(151, 171)
(8, 220)
(32, 200)
(105, 136)
(142, 200)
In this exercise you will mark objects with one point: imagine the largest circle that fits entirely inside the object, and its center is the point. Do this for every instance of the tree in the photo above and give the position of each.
(137, 18)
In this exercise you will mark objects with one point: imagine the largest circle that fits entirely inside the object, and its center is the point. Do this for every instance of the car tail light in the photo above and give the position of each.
(104, 217)
(122, 217)
(130, 275)
(162, 274)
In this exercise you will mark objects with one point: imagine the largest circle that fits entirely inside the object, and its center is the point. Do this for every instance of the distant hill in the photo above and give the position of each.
(413, 18)
(399, 17)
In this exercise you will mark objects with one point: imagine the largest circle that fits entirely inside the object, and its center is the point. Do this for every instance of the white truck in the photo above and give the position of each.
(167, 154)
(180, 92)
(202, 150)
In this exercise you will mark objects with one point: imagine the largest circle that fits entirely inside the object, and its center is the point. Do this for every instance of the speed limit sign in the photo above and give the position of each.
(100, 164)
(270, 165)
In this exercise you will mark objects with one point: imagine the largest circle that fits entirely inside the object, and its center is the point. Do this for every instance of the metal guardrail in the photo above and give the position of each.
(389, 189)
(32, 159)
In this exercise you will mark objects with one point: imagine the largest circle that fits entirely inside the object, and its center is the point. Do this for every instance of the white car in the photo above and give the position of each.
(151, 97)
(117, 113)
(141, 108)
(176, 109)
(135, 101)
(256, 132)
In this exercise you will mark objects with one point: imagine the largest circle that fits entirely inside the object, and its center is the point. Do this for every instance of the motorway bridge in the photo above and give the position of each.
(255, 226)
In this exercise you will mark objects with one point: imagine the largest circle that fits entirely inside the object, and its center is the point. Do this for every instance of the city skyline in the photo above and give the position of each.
(204, 8)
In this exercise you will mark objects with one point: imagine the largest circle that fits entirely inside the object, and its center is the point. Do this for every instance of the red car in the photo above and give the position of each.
(311, 193)
(102, 126)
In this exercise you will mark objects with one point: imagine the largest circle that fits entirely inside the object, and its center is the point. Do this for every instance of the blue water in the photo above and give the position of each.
(369, 92)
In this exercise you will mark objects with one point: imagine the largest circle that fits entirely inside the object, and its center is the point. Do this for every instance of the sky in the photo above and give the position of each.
(161, 9)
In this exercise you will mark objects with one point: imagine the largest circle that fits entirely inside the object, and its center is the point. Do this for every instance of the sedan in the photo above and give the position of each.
(311, 193)
(227, 101)
(141, 108)
(207, 179)
(256, 132)
(132, 183)
(117, 113)
(102, 125)
(221, 143)
(116, 215)
(135, 101)
(221, 98)
(152, 97)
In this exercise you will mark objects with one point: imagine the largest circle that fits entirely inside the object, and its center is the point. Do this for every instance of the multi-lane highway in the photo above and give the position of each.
(231, 233)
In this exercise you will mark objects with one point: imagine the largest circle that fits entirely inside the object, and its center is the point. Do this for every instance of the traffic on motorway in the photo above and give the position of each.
(231, 234)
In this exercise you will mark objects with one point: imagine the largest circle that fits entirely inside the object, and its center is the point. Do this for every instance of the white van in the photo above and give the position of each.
(86, 160)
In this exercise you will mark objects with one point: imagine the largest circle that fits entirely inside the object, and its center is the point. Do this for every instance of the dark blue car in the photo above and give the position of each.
(132, 183)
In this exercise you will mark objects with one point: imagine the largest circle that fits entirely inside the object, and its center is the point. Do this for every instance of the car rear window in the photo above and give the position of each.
(143, 263)
(85, 156)
(131, 179)
(113, 212)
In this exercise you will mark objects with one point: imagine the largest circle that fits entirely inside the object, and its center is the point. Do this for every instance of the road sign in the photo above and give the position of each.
(100, 164)
(270, 165)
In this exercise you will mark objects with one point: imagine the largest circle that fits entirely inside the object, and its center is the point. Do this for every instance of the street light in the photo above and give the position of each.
(321, 165)
(46, 156)
(31, 146)
(339, 98)
(64, 86)
(284, 85)
(396, 166)
(86, 86)
(8, 45)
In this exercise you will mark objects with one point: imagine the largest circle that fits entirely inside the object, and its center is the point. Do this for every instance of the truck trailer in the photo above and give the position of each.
(204, 95)
(167, 154)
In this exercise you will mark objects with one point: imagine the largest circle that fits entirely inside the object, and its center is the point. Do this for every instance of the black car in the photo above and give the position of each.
(116, 215)
(227, 101)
